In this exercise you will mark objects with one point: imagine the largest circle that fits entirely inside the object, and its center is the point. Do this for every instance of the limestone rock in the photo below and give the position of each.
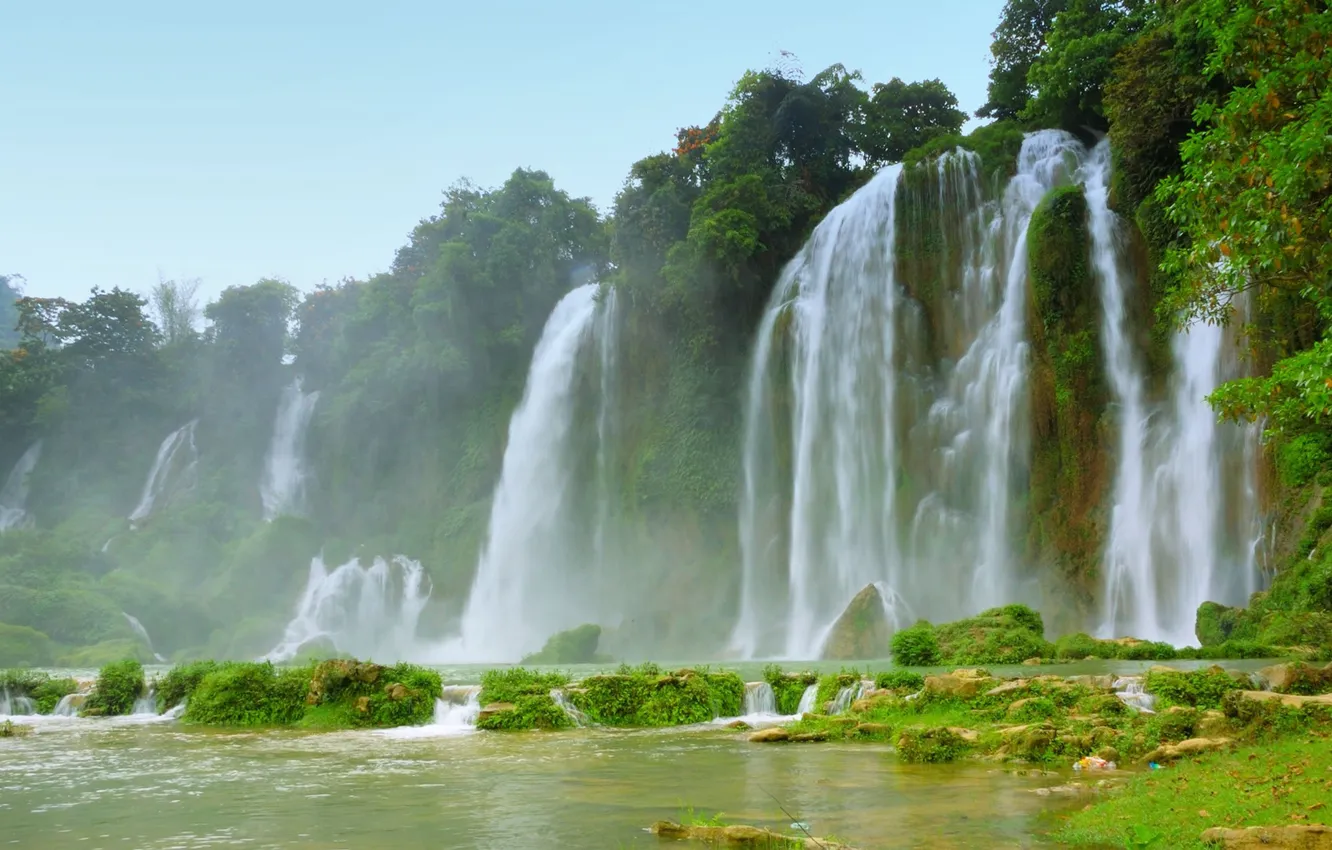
(957, 685)
(1291, 700)
(10, 729)
(863, 630)
(1310, 837)
(872, 729)
(363, 705)
(1212, 724)
(1008, 687)
(1032, 662)
(1297, 677)
(971, 736)
(1029, 741)
(739, 724)
(771, 735)
(809, 737)
(1190, 747)
(397, 691)
(881, 699)
(494, 708)
(1108, 753)
(738, 835)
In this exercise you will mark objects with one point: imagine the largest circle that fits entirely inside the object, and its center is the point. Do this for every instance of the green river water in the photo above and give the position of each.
(155, 784)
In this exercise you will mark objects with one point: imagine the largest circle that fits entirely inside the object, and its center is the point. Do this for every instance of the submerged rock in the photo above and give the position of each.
(1310, 837)
(10, 729)
(771, 735)
(863, 630)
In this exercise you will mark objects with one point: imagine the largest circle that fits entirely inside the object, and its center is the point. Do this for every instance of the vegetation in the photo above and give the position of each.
(575, 646)
(118, 686)
(788, 688)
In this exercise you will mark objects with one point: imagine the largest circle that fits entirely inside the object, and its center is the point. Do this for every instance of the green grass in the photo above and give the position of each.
(1287, 782)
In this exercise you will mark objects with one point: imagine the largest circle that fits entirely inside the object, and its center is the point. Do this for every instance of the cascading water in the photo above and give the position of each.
(456, 711)
(528, 583)
(16, 705)
(366, 612)
(14, 495)
(807, 700)
(571, 711)
(282, 487)
(146, 704)
(175, 470)
(885, 435)
(142, 634)
(845, 697)
(1183, 479)
(760, 700)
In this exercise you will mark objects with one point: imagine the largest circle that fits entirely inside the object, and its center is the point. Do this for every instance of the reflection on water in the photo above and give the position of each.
(93, 784)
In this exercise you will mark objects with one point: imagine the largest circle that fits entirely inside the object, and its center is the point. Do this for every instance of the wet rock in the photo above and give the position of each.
(492, 709)
(1108, 753)
(863, 630)
(738, 835)
(1310, 837)
(10, 729)
(1029, 741)
(882, 699)
(1103, 735)
(1100, 683)
(957, 685)
(1011, 686)
(769, 736)
(870, 729)
(971, 736)
(1032, 662)
(739, 724)
(363, 705)
(1190, 747)
(809, 737)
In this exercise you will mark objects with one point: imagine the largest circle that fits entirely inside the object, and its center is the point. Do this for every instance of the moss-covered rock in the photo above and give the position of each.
(788, 688)
(1196, 688)
(862, 631)
(1214, 623)
(519, 698)
(1298, 678)
(574, 646)
(930, 744)
(1007, 635)
(21, 646)
(346, 693)
(118, 685)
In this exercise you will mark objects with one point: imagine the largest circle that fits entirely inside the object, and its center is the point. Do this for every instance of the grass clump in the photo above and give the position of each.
(250, 693)
(916, 647)
(1007, 635)
(930, 744)
(788, 688)
(1196, 688)
(180, 682)
(1277, 784)
(528, 692)
(345, 693)
(118, 685)
(644, 696)
(1078, 646)
(45, 691)
(831, 684)
(899, 681)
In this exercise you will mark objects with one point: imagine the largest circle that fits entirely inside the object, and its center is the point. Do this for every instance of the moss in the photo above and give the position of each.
(1196, 688)
(788, 688)
(529, 693)
(574, 646)
(1301, 458)
(929, 744)
(831, 684)
(997, 144)
(903, 681)
(345, 693)
(916, 647)
(530, 711)
(508, 685)
(118, 685)
(1146, 650)
(247, 693)
(21, 646)
(48, 694)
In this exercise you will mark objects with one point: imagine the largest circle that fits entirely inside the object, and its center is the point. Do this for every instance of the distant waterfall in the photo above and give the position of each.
(282, 487)
(367, 612)
(885, 431)
(14, 495)
(175, 469)
(533, 577)
(1184, 519)
(142, 634)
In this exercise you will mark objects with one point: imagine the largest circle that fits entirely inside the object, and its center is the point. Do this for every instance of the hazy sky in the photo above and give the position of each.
(305, 140)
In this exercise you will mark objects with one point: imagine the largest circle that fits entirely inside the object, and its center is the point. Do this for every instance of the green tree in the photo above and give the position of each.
(901, 116)
(250, 325)
(1018, 41)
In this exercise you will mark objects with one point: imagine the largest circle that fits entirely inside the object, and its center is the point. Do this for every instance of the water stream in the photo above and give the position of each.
(14, 495)
(175, 470)
(282, 488)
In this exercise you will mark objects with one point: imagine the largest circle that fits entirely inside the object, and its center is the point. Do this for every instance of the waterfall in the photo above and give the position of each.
(15, 705)
(760, 700)
(175, 469)
(14, 495)
(365, 612)
(69, 705)
(561, 699)
(282, 487)
(845, 697)
(527, 584)
(885, 431)
(1175, 539)
(142, 634)
(807, 700)
(606, 326)
(146, 704)
(456, 711)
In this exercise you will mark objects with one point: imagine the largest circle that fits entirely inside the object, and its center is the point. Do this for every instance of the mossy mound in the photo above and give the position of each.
(862, 631)
(346, 693)
(645, 696)
(1007, 635)
(1196, 688)
(520, 699)
(788, 688)
(118, 685)
(917, 646)
(930, 744)
(574, 646)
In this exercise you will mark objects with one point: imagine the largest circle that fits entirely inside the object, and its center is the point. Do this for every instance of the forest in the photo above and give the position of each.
(1219, 116)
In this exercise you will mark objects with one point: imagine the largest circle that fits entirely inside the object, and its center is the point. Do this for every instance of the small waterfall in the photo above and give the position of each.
(365, 612)
(282, 487)
(1184, 515)
(176, 711)
(845, 697)
(70, 705)
(175, 469)
(14, 495)
(760, 701)
(1129, 689)
(570, 710)
(456, 711)
(807, 700)
(527, 586)
(146, 704)
(15, 705)
(143, 635)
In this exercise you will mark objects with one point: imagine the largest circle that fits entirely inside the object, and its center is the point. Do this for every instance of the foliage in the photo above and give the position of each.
(1007, 635)
(21, 646)
(1078, 646)
(901, 116)
(45, 691)
(118, 685)
(929, 745)
(180, 682)
(509, 685)
(249, 693)
(1018, 42)
(788, 688)
(1300, 458)
(643, 697)
(899, 680)
(916, 647)
(574, 646)
(1196, 688)
(345, 693)
(176, 304)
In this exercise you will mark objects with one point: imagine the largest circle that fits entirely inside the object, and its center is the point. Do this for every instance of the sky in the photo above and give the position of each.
(234, 141)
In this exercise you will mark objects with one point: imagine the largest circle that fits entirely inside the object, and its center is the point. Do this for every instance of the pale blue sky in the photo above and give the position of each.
(231, 141)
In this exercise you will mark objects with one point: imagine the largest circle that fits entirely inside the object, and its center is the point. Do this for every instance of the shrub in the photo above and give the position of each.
(1196, 688)
(788, 688)
(1299, 459)
(530, 711)
(180, 681)
(929, 745)
(916, 646)
(832, 684)
(48, 694)
(118, 685)
(1079, 646)
(1146, 651)
(1214, 622)
(249, 693)
(899, 680)
(509, 685)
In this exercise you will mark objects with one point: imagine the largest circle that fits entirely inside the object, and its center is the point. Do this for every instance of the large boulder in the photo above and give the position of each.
(1191, 747)
(772, 735)
(863, 630)
(960, 684)
(1297, 678)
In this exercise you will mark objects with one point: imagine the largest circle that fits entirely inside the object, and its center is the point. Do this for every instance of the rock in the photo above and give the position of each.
(930, 744)
(1190, 747)
(1103, 735)
(809, 737)
(1291, 700)
(1108, 753)
(956, 685)
(873, 729)
(971, 736)
(1101, 683)
(1310, 837)
(739, 724)
(363, 705)
(1297, 678)
(1008, 687)
(1029, 741)
(10, 729)
(1032, 662)
(397, 691)
(1017, 705)
(1212, 724)
(863, 630)
(574, 646)
(882, 699)
(769, 736)
(738, 835)
(493, 709)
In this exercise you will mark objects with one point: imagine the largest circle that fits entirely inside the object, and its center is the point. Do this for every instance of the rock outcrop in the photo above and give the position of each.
(1310, 837)
(863, 630)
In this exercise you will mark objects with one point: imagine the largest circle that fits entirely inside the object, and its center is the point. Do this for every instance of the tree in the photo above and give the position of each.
(249, 325)
(1018, 41)
(901, 116)
(9, 294)
(177, 308)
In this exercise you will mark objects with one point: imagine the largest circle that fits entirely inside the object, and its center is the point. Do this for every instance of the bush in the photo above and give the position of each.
(899, 680)
(916, 646)
(788, 688)
(118, 685)
(250, 693)
(345, 693)
(49, 693)
(932, 745)
(1007, 635)
(1078, 646)
(575, 646)
(1301, 458)
(180, 682)
(1146, 651)
(1196, 688)
(21, 646)
(509, 685)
